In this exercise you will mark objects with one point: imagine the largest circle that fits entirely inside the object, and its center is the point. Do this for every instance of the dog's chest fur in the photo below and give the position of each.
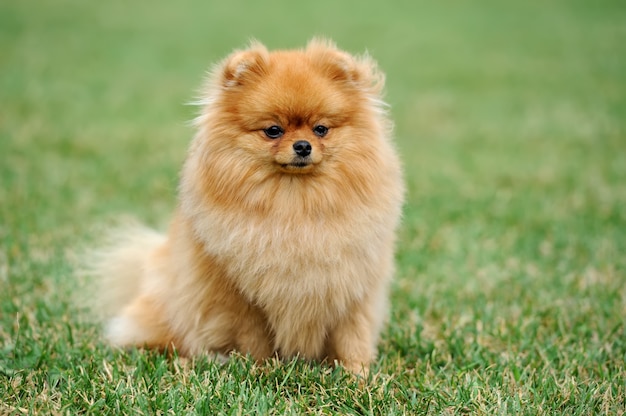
(302, 274)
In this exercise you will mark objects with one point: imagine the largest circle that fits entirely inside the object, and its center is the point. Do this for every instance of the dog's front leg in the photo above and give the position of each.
(352, 343)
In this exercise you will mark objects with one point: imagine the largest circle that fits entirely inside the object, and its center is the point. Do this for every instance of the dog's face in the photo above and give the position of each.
(289, 115)
(301, 130)
(295, 111)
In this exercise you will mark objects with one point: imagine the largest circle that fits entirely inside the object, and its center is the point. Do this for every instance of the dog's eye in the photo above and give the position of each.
(320, 130)
(273, 132)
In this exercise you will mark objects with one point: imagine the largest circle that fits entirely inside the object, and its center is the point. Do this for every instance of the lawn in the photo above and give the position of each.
(510, 293)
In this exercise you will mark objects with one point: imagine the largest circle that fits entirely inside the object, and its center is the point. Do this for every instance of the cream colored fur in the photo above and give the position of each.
(262, 256)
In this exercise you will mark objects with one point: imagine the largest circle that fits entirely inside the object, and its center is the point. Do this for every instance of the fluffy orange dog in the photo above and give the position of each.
(283, 240)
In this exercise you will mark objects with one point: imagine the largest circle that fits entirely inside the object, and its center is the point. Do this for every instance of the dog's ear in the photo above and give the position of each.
(360, 71)
(246, 65)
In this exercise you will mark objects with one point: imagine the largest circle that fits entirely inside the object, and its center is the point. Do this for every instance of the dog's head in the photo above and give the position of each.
(290, 111)
(296, 125)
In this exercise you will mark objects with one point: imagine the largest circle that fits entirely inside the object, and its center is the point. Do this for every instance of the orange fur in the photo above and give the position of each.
(265, 255)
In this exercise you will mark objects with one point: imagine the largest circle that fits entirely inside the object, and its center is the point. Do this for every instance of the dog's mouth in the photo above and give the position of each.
(298, 165)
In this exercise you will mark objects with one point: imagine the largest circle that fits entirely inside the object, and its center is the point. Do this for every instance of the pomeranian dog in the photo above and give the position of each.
(282, 243)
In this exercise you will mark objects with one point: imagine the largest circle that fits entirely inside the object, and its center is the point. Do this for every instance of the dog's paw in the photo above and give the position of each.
(358, 368)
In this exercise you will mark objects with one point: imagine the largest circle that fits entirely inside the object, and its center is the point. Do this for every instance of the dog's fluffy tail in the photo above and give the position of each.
(116, 270)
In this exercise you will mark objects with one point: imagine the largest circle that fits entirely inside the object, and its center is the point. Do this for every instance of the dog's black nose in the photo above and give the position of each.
(302, 148)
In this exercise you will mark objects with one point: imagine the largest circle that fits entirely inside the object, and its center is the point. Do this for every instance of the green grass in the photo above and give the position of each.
(510, 296)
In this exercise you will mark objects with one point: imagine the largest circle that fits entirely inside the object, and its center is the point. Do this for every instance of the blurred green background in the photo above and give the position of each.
(510, 120)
